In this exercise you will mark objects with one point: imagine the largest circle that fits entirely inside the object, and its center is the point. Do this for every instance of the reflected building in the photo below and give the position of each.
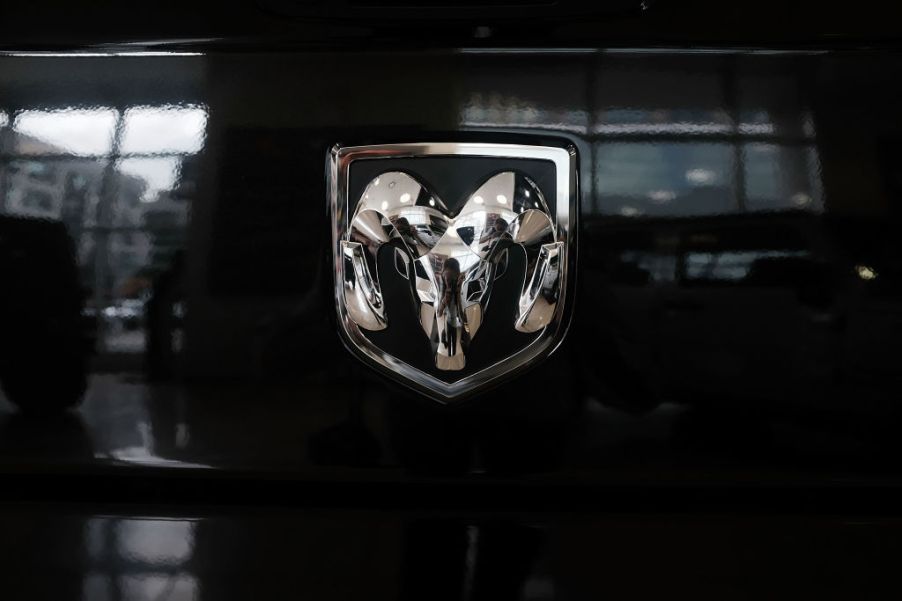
(679, 137)
(120, 193)
(707, 136)
(70, 191)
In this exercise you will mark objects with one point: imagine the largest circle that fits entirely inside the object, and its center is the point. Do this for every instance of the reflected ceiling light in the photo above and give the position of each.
(800, 199)
(405, 198)
(501, 198)
(478, 200)
(661, 196)
(866, 273)
(700, 176)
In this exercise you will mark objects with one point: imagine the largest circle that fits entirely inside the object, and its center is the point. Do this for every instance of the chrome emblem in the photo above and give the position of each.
(448, 261)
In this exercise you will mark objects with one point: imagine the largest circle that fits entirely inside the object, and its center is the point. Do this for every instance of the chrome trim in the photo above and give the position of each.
(545, 290)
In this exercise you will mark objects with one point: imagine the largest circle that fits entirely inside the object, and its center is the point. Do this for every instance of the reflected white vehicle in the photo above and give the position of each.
(127, 313)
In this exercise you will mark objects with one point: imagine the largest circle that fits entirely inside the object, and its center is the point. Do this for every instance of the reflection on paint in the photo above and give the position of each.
(75, 131)
(139, 558)
(159, 174)
(164, 129)
(121, 182)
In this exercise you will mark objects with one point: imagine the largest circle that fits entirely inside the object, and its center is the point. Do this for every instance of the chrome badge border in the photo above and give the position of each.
(566, 209)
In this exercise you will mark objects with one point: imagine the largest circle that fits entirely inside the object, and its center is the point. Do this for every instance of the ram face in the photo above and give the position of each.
(451, 262)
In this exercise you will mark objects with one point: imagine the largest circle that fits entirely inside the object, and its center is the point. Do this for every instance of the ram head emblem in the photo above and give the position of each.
(450, 262)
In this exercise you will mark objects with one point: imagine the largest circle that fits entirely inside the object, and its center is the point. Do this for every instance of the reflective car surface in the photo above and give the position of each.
(735, 242)
(170, 354)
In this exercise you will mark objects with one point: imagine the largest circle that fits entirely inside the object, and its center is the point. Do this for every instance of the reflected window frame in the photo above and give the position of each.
(118, 561)
(102, 227)
(725, 120)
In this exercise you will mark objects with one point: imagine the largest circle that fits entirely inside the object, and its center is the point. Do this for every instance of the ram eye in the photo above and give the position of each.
(501, 264)
(401, 263)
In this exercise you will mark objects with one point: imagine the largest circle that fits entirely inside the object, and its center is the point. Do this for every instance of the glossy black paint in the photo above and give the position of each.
(127, 554)
(737, 308)
(368, 24)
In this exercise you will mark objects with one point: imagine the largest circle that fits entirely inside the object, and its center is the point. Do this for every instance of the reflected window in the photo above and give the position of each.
(765, 254)
(642, 268)
(35, 188)
(496, 110)
(156, 542)
(73, 185)
(37, 202)
(757, 121)
(750, 267)
(126, 211)
(37, 171)
(638, 179)
(781, 177)
(771, 104)
(166, 129)
(529, 98)
(662, 121)
(97, 587)
(159, 586)
(74, 131)
(139, 559)
(158, 175)
(636, 98)
(688, 137)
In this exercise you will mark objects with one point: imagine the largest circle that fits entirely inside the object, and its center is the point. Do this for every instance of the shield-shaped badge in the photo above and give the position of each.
(453, 261)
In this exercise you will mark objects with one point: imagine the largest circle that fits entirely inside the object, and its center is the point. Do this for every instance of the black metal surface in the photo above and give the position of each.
(368, 24)
(119, 554)
(734, 346)
(737, 306)
(733, 349)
